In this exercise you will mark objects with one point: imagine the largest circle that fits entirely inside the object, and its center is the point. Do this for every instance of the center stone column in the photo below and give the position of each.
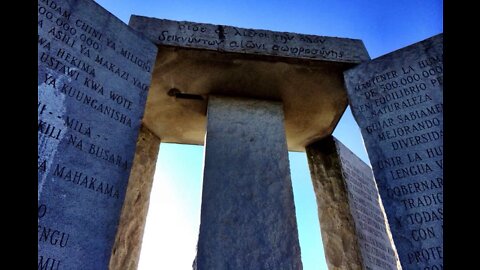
(248, 214)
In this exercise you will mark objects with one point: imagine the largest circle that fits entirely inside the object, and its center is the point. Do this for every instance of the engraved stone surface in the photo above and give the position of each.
(397, 100)
(248, 214)
(352, 220)
(311, 86)
(376, 244)
(93, 77)
(252, 41)
(339, 237)
(128, 242)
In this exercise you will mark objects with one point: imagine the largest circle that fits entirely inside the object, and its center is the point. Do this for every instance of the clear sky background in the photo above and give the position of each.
(174, 215)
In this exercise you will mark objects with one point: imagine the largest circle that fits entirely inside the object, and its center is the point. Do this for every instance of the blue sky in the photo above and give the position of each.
(384, 26)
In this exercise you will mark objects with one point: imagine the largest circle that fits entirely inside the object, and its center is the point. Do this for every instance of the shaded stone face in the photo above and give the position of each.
(397, 100)
(339, 237)
(128, 240)
(93, 77)
(367, 210)
(354, 230)
(310, 85)
(248, 213)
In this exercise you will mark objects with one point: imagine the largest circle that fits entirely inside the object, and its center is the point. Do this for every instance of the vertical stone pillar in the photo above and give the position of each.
(352, 220)
(397, 101)
(128, 241)
(92, 88)
(340, 240)
(248, 214)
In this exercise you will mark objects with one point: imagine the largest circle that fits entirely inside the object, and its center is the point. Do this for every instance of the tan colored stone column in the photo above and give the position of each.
(339, 237)
(128, 241)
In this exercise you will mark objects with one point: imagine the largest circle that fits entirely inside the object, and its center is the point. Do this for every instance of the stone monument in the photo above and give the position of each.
(397, 100)
(93, 76)
(249, 96)
(109, 92)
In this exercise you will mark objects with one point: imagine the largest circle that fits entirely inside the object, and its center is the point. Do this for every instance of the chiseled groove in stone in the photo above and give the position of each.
(248, 214)
(342, 250)
(128, 241)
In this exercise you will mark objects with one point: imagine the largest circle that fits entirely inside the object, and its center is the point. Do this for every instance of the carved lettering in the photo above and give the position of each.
(399, 105)
(136, 60)
(48, 130)
(46, 263)
(44, 43)
(95, 104)
(93, 85)
(42, 165)
(42, 211)
(89, 112)
(82, 180)
(112, 67)
(121, 100)
(371, 229)
(52, 236)
(78, 126)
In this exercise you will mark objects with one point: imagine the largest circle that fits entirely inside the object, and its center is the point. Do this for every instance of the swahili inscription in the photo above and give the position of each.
(93, 76)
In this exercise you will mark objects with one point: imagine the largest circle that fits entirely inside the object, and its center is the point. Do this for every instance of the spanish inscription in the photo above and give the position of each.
(240, 40)
(93, 76)
(373, 232)
(397, 100)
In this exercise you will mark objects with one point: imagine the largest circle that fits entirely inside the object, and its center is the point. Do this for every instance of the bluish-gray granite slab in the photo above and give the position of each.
(93, 76)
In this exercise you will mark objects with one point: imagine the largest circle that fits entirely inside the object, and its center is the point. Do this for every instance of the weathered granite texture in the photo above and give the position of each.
(93, 77)
(340, 239)
(352, 220)
(397, 100)
(373, 230)
(128, 242)
(250, 41)
(248, 214)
